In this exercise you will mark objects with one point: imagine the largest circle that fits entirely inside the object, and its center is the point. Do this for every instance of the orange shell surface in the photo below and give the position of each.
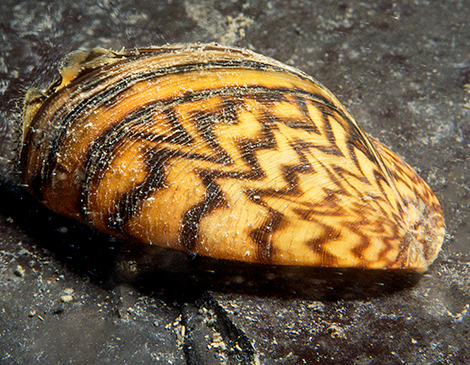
(225, 153)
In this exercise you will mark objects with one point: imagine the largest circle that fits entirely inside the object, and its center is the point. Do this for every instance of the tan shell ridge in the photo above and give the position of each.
(228, 154)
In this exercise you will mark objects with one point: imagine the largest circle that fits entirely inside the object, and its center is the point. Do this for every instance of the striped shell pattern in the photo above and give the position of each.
(225, 153)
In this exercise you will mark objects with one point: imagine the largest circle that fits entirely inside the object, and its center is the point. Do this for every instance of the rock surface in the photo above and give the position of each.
(69, 295)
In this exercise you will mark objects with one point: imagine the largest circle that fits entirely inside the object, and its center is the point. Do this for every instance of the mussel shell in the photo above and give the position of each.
(225, 153)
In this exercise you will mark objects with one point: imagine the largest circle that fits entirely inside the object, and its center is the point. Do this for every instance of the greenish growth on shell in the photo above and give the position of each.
(79, 63)
(74, 65)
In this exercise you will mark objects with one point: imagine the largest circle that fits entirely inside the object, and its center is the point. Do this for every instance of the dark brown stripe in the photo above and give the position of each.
(317, 245)
(157, 158)
(129, 204)
(70, 118)
(263, 236)
(302, 106)
(214, 198)
(331, 206)
(204, 123)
